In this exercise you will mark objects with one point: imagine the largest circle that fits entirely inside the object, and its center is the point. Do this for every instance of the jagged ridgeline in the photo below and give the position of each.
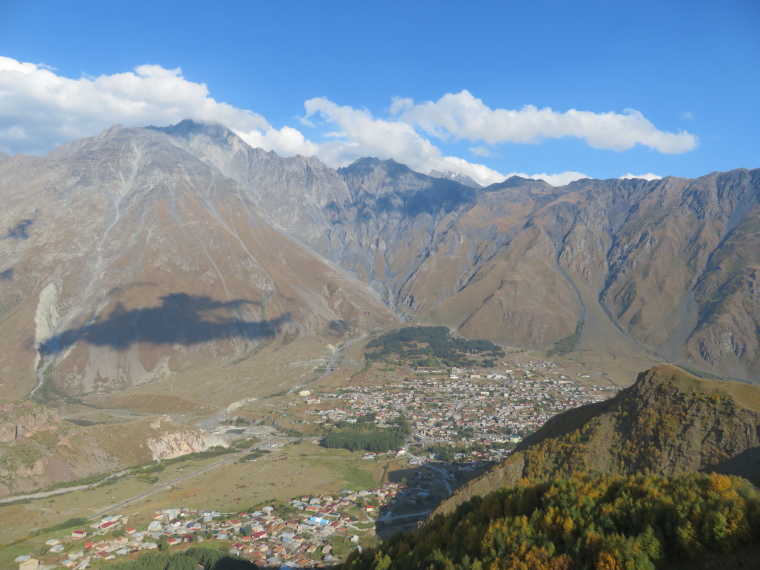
(586, 521)
(198, 248)
(432, 346)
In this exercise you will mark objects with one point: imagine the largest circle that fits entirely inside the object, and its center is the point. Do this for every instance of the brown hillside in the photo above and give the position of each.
(39, 448)
(666, 266)
(171, 268)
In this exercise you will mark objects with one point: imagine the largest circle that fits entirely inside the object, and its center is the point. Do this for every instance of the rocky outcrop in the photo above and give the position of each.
(38, 448)
(376, 218)
(664, 266)
(175, 441)
(20, 419)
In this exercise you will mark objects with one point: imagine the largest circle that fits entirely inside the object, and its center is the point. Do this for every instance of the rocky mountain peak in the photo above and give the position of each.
(189, 129)
(139, 256)
(663, 269)
(520, 182)
(463, 179)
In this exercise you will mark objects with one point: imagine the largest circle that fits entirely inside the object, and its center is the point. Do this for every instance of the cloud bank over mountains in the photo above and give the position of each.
(463, 116)
(40, 110)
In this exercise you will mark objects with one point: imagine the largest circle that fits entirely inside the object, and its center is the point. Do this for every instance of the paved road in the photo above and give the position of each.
(44, 494)
(226, 459)
(444, 477)
(419, 514)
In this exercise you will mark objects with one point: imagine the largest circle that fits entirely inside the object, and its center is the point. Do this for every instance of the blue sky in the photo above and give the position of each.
(600, 89)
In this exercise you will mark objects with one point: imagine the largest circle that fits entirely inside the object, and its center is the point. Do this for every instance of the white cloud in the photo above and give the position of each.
(559, 179)
(480, 151)
(40, 110)
(648, 176)
(478, 172)
(461, 115)
(287, 141)
(361, 134)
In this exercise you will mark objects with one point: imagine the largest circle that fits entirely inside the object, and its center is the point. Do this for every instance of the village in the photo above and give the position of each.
(479, 415)
(463, 409)
(306, 532)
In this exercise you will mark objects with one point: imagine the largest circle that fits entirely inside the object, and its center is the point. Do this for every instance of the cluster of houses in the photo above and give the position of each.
(301, 533)
(443, 407)
(98, 542)
(489, 407)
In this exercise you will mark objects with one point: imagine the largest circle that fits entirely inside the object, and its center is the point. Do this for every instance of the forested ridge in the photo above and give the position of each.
(598, 521)
(581, 500)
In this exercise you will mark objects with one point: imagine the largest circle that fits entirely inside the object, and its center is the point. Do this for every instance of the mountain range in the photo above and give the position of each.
(181, 255)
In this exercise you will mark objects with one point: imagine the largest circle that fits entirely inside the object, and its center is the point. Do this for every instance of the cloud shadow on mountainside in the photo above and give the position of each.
(442, 199)
(19, 230)
(338, 326)
(410, 507)
(745, 464)
(179, 319)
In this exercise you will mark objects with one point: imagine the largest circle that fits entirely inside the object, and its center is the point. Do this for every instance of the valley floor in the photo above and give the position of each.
(528, 392)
